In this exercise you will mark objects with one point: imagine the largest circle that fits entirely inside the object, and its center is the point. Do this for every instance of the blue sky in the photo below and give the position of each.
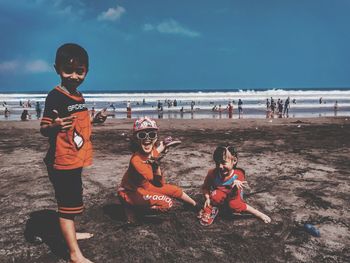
(178, 44)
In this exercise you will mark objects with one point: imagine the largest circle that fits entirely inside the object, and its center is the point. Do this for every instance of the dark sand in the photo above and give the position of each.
(298, 170)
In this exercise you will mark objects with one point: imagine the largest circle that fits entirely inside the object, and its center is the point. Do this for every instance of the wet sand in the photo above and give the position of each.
(298, 171)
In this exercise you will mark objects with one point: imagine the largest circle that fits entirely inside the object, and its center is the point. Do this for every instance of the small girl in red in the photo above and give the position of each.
(224, 186)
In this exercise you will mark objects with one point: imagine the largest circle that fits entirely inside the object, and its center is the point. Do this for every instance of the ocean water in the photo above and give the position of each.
(306, 104)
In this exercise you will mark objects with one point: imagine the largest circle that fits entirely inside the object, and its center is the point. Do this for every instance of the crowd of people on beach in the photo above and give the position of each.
(279, 108)
(25, 114)
(229, 108)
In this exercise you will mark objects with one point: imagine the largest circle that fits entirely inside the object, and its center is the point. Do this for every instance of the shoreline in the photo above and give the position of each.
(196, 124)
(203, 114)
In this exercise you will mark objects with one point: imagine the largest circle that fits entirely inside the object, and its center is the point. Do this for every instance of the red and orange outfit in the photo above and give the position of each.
(69, 150)
(138, 185)
(221, 190)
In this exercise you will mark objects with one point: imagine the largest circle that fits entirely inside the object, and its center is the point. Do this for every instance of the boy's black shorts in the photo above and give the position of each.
(68, 191)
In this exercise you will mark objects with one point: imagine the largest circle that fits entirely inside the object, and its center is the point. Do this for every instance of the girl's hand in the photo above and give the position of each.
(161, 148)
(240, 185)
(207, 203)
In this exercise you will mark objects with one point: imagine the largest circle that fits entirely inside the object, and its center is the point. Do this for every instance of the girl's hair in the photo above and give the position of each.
(220, 153)
(134, 145)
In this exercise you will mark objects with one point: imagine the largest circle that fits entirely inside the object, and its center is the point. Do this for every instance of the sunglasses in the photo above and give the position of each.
(144, 135)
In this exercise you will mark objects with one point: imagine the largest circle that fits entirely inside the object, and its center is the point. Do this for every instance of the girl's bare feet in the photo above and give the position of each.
(258, 214)
(81, 236)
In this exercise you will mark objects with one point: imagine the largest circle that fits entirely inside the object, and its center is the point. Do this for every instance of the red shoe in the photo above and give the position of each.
(207, 215)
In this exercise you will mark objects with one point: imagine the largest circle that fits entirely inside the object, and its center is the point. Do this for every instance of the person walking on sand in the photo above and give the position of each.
(143, 186)
(67, 124)
(223, 187)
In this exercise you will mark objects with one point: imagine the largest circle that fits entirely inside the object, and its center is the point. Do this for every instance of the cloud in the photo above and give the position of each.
(37, 66)
(148, 27)
(73, 10)
(112, 14)
(9, 66)
(171, 26)
(19, 66)
(66, 10)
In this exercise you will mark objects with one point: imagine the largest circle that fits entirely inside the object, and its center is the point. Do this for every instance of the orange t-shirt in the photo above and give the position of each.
(69, 149)
(139, 173)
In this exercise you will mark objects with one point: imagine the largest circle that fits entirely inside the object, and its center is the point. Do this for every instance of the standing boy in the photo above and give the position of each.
(67, 124)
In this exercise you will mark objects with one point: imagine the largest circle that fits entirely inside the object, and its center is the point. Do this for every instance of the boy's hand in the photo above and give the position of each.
(64, 124)
(100, 117)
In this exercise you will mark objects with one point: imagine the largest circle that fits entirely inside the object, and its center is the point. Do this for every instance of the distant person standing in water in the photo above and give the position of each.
(273, 107)
(128, 110)
(280, 108)
(336, 108)
(112, 106)
(25, 115)
(240, 108)
(38, 110)
(230, 110)
(268, 109)
(192, 105)
(6, 113)
(286, 108)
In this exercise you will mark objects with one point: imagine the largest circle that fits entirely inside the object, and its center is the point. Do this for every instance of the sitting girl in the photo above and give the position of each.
(143, 184)
(223, 186)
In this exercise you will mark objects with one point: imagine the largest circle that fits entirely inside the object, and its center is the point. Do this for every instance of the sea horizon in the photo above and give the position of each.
(133, 91)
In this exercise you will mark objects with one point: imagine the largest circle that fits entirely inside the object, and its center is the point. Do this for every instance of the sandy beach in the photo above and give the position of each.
(297, 169)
